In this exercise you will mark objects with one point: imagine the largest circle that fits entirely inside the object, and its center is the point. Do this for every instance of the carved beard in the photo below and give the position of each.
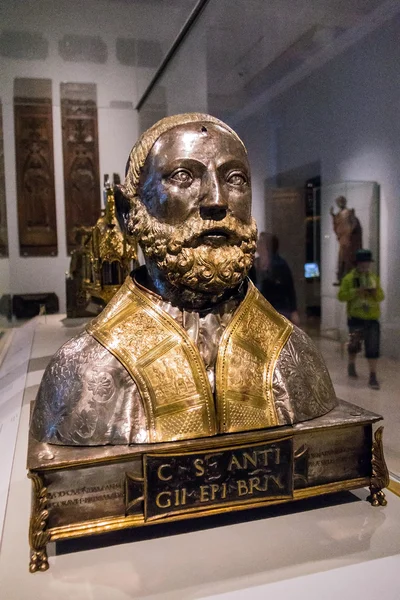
(185, 262)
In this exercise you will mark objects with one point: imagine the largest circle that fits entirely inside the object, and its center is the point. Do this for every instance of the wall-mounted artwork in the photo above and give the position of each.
(81, 157)
(35, 167)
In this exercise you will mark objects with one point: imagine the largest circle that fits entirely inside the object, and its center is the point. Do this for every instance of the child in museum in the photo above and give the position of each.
(362, 291)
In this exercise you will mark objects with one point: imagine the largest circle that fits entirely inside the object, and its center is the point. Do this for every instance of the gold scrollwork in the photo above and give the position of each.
(380, 473)
(38, 536)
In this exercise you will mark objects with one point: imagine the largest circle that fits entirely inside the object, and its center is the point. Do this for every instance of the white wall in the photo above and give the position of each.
(259, 136)
(346, 115)
(190, 75)
(118, 127)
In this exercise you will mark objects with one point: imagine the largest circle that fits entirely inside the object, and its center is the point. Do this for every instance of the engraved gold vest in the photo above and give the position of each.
(171, 377)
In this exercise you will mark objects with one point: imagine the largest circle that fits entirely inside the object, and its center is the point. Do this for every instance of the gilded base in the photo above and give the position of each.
(39, 561)
(377, 498)
(380, 473)
(81, 491)
(38, 535)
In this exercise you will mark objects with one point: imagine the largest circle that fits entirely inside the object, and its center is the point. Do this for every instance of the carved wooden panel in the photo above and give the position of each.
(81, 161)
(3, 209)
(35, 176)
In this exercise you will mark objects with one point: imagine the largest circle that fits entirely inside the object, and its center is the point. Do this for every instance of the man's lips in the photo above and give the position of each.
(216, 236)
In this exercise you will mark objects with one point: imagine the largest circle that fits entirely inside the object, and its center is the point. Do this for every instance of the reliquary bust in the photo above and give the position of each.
(188, 347)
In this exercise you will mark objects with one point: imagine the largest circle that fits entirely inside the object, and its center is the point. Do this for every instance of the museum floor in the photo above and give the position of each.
(329, 547)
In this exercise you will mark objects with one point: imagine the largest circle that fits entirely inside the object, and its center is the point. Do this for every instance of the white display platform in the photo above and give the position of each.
(13, 371)
(343, 550)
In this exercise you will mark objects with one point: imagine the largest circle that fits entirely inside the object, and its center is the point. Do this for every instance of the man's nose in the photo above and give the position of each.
(213, 202)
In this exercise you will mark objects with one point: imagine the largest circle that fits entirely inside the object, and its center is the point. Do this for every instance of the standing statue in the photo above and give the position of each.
(188, 347)
(349, 234)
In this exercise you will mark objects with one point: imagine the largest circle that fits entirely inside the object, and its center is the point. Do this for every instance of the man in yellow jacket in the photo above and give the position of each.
(363, 293)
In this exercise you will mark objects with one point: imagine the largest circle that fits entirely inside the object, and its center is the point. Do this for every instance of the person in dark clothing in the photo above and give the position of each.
(273, 277)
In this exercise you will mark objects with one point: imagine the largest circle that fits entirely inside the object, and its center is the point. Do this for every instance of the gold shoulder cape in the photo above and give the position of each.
(170, 374)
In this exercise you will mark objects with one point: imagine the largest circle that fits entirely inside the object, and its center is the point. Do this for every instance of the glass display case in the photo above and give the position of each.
(315, 86)
(362, 198)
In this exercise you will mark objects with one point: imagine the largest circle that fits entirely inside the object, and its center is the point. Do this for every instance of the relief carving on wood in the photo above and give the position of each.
(81, 164)
(35, 176)
(3, 209)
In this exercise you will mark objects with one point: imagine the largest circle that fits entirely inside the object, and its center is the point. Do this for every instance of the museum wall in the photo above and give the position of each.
(262, 151)
(344, 115)
(119, 87)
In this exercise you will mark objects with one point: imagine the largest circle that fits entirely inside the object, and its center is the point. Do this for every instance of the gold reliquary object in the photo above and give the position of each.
(111, 255)
(189, 395)
(101, 261)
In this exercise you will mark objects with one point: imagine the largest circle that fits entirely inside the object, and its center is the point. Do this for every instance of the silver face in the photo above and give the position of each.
(193, 220)
(197, 170)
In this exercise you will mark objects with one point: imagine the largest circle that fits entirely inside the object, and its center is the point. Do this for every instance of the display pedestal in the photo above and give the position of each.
(79, 491)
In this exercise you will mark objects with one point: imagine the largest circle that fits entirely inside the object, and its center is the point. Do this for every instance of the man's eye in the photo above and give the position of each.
(181, 176)
(237, 179)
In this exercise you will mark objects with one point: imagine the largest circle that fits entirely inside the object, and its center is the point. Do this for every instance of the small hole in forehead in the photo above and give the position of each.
(203, 129)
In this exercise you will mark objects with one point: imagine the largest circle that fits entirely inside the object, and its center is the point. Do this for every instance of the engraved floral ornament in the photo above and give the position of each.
(101, 385)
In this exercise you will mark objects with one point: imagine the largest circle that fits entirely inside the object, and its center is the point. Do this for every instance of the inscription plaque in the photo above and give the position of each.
(176, 483)
(336, 455)
(88, 492)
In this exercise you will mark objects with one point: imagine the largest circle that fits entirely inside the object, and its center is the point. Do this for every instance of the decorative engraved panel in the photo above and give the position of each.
(140, 332)
(3, 210)
(35, 176)
(246, 375)
(171, 376)
(264, 331)
(182, 424)
(253, 341)
(81, 157)
(244, 416)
